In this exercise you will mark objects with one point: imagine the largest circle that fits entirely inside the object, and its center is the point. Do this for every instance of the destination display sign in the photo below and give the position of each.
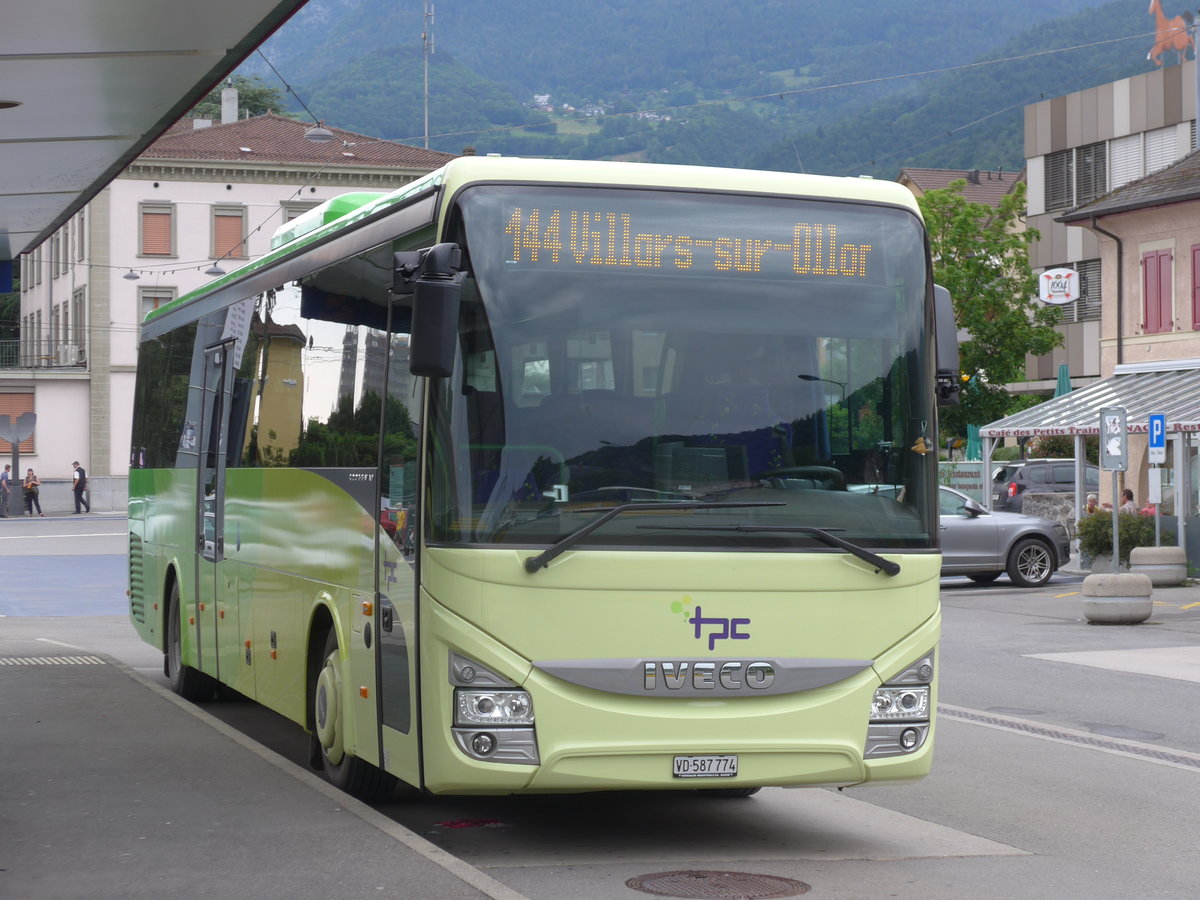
(613, 238)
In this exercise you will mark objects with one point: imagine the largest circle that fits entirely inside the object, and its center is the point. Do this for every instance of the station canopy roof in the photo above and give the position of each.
(1173, 392)
(86, 86)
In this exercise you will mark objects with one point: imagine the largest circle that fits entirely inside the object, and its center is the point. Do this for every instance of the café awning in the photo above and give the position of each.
(1173, 391)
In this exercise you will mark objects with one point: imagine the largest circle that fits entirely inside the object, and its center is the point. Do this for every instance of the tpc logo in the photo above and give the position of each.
(724, 629)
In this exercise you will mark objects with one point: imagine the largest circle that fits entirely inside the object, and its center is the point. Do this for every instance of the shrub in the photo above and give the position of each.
(1062, 447)
(1095, 534)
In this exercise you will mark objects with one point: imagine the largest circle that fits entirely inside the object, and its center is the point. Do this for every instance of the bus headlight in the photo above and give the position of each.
(907, 702)
(473, 707)
(899, 720)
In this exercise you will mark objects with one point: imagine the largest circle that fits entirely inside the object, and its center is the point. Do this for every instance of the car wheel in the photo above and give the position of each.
(1031, 562)
(985, 577)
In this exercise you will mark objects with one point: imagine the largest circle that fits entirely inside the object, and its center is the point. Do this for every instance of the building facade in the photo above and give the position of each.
(200, 201)
(1078, 148)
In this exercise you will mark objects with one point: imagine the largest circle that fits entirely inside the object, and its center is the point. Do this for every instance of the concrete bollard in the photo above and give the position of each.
(1166, 566)
(1117, 599)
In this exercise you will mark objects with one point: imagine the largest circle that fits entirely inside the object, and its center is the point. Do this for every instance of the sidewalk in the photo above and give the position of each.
(112, 787)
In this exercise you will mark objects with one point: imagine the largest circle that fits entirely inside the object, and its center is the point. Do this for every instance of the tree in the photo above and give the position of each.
(254, 99)
(981, 255)
(10, 313)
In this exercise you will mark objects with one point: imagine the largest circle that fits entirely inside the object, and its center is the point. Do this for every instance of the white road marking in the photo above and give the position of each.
(1180, 663)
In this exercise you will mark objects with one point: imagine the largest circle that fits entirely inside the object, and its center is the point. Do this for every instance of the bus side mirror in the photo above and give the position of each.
(436, 279)
(946, 343)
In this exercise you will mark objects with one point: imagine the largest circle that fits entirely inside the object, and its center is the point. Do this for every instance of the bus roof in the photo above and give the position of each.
(346, 209)
(467, 169)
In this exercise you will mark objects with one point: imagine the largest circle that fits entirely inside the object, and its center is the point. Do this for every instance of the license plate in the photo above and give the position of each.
(705, 766)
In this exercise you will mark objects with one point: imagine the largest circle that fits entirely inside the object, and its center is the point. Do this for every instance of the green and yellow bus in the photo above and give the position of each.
(539, 476)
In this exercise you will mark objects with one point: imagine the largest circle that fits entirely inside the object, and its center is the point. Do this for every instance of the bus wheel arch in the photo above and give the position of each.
(189, 683)
(327, 721)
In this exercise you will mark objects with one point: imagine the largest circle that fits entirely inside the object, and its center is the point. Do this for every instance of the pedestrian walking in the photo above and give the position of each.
(5, 489)
(78, 486)
(31, 486)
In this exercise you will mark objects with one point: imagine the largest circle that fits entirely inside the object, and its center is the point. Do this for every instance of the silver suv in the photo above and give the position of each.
(1039, 476)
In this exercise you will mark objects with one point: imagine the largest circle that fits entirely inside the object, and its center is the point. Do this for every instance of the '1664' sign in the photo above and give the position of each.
(1058, 286)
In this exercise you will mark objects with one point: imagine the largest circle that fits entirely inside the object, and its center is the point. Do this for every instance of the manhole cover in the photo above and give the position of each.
(704, 885)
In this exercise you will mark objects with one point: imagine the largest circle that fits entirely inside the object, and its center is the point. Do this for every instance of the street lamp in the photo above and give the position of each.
(319, 134)
(804, 376)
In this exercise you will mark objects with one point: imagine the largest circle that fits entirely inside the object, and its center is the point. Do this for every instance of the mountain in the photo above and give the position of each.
(777, 83)
(974, 117)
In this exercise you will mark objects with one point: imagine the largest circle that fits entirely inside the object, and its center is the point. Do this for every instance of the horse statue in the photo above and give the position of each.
(1169, 34)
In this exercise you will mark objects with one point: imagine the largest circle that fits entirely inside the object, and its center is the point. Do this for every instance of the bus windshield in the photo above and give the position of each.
(767, 355)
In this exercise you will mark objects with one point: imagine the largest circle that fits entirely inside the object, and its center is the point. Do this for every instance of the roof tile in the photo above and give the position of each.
(983, 186)
(275, 138)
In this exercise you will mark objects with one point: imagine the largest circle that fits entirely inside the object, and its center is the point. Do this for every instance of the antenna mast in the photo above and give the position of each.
(427, 48)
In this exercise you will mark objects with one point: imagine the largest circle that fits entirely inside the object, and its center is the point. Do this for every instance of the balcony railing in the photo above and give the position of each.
(42, 355)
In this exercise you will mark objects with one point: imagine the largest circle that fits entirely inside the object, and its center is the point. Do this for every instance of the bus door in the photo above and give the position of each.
(396, 615)
(211, 597)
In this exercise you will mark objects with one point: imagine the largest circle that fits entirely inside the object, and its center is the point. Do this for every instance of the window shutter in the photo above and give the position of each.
(156, 232)
(1166, 320)
(1089, 305)
(1162, 148)
(1196, 286)
(1156, 291)
(1125, 158)
(1150, 292)
(14, 405)
(227, 235)
(1091, 166)
(1059, 179)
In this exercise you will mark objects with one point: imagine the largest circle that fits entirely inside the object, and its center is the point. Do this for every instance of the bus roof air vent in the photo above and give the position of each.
(327, 212)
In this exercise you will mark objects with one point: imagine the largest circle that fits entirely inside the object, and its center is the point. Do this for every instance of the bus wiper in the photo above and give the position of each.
(824, 535)
(533, 563)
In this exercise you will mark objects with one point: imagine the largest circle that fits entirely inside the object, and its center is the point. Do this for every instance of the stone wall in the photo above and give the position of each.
(1059, 507)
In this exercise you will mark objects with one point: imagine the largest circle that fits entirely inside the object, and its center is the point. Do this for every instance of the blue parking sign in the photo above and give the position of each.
(1157, 433)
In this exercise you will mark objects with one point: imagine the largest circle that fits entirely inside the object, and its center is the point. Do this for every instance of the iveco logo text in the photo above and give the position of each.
(725, 628)
(732, 675)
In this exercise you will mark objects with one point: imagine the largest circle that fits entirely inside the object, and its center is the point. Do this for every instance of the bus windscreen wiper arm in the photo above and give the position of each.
(824, 535)
(533, 563)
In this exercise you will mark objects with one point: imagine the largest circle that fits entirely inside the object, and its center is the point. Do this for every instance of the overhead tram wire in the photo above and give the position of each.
(288, 87)
(950, 132)
(780, 95)
(151, 270)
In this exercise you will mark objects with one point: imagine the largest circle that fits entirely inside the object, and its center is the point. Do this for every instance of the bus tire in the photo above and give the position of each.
(190, 684)
(343, 770)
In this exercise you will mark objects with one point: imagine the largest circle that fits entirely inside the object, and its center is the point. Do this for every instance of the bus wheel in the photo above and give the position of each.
(188, 683)
(349, 773)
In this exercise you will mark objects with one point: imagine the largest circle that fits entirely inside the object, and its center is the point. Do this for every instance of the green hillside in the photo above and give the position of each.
(973, 118)
(784, 84)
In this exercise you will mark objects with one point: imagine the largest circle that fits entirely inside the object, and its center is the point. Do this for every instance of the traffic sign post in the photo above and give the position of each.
(1157, 455)
(1114, 456)
(1158, 439)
